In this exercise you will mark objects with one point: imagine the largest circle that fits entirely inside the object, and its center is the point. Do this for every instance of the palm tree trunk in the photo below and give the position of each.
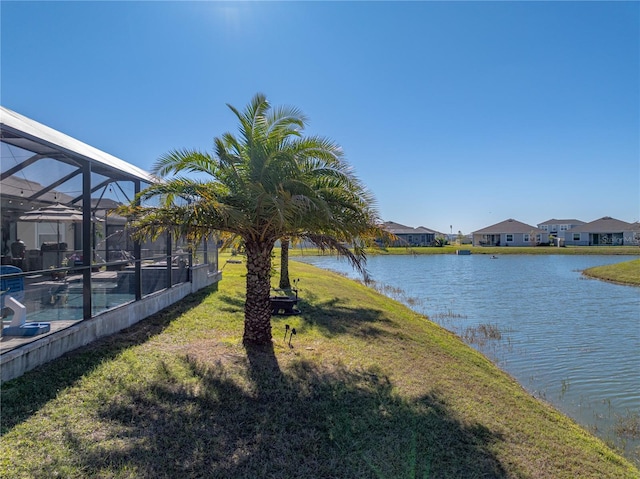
(284, 264)
(257, 309)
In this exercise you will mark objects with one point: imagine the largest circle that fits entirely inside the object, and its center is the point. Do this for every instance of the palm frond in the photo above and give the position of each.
(177, 161)
(357, 258)
(265, 182)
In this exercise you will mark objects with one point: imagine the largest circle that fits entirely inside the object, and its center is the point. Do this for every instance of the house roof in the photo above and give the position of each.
(509, 226)
(554, 221)
(603, 225)
(398, 229)
(427, 230)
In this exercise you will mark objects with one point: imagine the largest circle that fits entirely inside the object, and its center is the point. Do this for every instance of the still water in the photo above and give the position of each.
(571, 341)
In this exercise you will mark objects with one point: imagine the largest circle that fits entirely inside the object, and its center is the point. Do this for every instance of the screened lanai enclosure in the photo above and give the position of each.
(66, 257)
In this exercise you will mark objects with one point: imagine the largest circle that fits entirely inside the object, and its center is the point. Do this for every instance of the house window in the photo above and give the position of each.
(576, 236)
(563, 228)
(544, 227)
(525, 238)
(538, 238)
(509, 237)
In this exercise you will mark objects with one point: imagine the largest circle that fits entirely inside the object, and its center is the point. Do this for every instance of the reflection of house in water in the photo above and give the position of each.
(84, 273)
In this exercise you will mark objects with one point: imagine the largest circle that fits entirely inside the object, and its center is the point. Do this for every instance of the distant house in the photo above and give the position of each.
(634, 236)
(558, 228)
(408, 236)
(605, 231)
(510, 233)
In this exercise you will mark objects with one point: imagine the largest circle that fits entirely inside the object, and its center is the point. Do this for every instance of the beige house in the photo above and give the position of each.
(510, 233)
(409, 236)
(605, 231)
(558, 228)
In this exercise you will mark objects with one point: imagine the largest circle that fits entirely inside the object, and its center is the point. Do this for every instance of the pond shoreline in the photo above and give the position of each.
(627, 273)
(548, 318)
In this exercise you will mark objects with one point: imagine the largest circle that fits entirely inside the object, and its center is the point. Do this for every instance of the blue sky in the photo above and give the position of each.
(456, 115)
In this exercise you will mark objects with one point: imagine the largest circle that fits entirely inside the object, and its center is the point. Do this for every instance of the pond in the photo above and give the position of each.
(567, 339)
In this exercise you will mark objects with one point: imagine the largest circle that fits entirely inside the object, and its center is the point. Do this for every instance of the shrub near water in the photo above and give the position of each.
(481, 333)
(367, 389)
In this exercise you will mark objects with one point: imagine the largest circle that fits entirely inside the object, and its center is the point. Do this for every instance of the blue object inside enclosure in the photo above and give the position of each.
(13, 286)
(29, 329)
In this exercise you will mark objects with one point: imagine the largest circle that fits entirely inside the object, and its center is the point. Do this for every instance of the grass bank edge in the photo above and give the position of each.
(627, 272)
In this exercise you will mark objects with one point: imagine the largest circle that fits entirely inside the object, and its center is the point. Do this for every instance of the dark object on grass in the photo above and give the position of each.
(283, 305)
(293, 332)
(286, 330)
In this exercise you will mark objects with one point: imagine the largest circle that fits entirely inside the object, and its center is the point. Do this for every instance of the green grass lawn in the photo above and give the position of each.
(365, 389)
(625, 273)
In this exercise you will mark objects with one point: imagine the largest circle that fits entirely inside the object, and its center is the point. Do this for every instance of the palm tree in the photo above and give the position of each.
(347, 210)
(268, 182)
(285, 282)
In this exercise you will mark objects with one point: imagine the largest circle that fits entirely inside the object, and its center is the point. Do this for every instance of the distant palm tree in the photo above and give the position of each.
(267, 183)
(285, 282)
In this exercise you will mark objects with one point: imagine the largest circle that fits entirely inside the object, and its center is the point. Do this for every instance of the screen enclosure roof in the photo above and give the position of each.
(30, 135)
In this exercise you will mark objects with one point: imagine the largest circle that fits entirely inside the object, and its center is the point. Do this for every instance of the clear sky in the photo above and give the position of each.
(457, 115)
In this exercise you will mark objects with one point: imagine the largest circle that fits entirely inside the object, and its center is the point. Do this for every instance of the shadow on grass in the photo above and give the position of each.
(251, 419)
(334, 317)
(24, 396)
(234, 304)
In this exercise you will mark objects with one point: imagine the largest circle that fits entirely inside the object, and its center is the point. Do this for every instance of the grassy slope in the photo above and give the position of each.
(626, 273)
(368, 389)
